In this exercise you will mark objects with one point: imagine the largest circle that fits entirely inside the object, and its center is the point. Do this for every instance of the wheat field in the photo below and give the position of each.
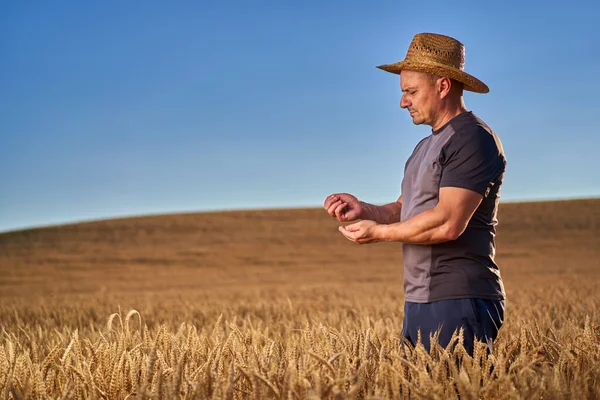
(276, 304)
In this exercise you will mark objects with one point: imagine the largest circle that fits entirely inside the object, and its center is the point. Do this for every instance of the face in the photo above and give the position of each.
(420, 96)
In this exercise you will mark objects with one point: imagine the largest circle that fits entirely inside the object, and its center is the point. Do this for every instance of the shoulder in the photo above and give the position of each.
(471, 134)
(473, 157)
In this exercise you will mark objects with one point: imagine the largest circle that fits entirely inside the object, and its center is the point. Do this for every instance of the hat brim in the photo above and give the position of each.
(471, 83)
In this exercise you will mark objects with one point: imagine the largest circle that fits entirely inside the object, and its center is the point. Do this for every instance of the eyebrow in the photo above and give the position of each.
(409, 88)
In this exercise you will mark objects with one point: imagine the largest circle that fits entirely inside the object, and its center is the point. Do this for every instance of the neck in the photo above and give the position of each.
(448, 113)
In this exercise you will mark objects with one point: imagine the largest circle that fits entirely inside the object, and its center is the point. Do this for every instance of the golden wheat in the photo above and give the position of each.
(317, 343)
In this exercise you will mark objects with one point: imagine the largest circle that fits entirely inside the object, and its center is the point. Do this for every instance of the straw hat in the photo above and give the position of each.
(438, 55)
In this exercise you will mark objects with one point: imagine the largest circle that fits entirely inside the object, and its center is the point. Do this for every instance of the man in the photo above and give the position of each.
(446, 214)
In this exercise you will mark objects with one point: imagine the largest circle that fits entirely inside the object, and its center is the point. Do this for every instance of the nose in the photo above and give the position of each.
(403, 102)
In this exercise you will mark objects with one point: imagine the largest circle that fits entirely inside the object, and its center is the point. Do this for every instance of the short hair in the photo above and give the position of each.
(433, 79)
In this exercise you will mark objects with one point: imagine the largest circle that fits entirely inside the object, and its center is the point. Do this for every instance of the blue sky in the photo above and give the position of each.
(119, 108)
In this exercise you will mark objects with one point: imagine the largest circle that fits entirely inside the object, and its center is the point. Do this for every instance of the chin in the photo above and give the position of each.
(418, 121)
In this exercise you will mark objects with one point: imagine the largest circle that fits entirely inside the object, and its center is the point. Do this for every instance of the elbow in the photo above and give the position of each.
(450, 231)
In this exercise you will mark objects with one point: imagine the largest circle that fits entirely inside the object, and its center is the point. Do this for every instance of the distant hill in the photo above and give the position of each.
(266, 248)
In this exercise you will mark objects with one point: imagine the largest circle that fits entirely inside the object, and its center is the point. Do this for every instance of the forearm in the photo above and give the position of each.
(429, 227)
(385, 214)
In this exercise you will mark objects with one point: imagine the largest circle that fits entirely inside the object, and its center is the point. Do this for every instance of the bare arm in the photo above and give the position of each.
(445, 222)
(385, 214)
(346, 207)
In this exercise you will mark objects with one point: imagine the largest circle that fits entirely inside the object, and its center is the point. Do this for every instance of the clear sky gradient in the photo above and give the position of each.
(117, 108)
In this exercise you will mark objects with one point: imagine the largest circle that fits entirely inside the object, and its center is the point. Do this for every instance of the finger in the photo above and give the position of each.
(330, 200)
(332, 207)
(349, 235)
(352, 227)
(339, 210)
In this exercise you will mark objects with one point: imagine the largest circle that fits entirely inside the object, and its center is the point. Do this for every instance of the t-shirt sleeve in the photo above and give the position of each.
(472, 160)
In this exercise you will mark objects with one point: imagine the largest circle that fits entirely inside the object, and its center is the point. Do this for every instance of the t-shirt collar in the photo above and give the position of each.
(461, 115)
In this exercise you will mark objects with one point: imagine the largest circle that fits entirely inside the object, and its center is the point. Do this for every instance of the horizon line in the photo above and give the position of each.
(265, 208)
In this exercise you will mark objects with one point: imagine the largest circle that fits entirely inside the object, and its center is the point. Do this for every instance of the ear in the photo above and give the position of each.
(444, 86)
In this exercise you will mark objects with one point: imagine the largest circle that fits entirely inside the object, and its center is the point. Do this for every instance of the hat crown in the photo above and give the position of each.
(437, 48)
(440, 55)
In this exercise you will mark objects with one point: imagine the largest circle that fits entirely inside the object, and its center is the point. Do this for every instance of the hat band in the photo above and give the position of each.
(428, 61)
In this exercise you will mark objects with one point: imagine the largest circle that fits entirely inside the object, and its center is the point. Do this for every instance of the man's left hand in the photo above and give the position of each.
(361, 232)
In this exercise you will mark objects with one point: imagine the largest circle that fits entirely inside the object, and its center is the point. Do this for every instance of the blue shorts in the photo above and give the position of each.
(480, 319)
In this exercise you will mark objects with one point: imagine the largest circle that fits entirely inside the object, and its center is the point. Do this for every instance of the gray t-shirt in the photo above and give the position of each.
(464, 153)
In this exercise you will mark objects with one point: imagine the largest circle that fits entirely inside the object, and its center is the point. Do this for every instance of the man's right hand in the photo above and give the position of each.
(343, 206)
